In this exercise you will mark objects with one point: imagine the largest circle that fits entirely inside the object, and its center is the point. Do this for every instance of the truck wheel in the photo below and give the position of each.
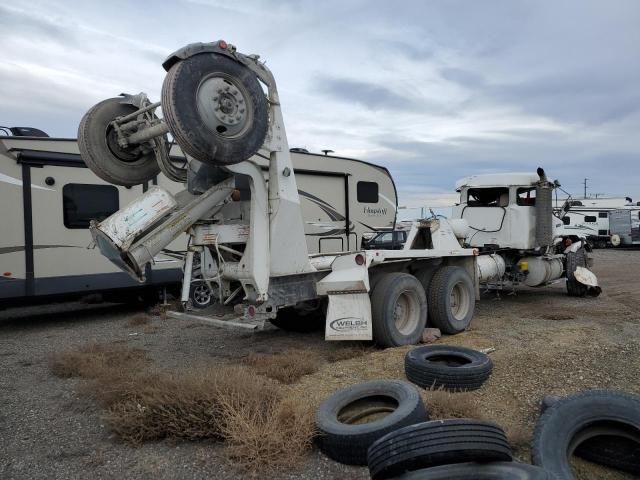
(398, 310)
(98, 144)
(451, 300)
(201, 295)
(453, 368)
(476, 471)
(575, 260)
(438, 442)
(353, 418)
(574, 421)
(215, 108)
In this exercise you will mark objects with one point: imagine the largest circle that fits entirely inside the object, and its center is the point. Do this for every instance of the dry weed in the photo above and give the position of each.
(96, 361)
(519, 437)
(269, 438)
(287, 366)
(139, 319)
(442, 404)
(349, 351)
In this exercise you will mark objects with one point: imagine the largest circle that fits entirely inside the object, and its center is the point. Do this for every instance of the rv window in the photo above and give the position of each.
(527, 196)
(590, 219)
(603, 232)
(82, 203)
(367, 192)
(566, 220)
(603, 214)
(488, 197)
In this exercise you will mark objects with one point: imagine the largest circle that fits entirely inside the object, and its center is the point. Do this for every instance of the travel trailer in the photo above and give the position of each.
(589, 218)
(48, 199)
(60, 197)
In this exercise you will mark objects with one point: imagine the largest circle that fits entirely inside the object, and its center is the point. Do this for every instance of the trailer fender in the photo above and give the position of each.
(221, 47)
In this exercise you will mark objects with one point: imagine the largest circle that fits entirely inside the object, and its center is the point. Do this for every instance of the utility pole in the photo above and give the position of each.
(585, 187)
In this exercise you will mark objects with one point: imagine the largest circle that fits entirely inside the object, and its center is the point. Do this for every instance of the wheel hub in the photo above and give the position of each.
(223, 105)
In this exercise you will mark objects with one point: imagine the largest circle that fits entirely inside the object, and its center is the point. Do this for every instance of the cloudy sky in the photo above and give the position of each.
(434, 89)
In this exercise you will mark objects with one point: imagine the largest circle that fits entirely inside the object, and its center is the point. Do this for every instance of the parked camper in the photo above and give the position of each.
(48, 197)
(625, 227)
(589, 218)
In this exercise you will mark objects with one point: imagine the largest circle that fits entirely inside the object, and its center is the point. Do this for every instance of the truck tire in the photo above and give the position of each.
(439, 442)
(215, 108)
(98, 144)
(453, 368)
(571, 422)
(451, 300)
(201, 295)
(575, 260)
(343, 436)
(398, 310)
(479, 471)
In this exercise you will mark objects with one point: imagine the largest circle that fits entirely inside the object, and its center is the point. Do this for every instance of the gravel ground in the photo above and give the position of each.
(546, 343)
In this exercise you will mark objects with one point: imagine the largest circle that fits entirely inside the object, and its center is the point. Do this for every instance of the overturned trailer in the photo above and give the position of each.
(250, 247)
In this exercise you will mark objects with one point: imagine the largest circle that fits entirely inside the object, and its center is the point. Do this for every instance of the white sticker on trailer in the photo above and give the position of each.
(349, 317)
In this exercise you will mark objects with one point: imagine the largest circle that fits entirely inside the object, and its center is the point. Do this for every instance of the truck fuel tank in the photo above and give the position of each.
(541, 270)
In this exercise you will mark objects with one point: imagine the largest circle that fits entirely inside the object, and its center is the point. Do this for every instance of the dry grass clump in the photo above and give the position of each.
(287, 366)
(95, 360)
(139, 319)
(263, 429)
(349, 351)
(442, 404)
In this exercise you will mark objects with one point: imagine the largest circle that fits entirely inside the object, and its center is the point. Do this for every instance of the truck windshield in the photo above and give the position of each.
(488, 197)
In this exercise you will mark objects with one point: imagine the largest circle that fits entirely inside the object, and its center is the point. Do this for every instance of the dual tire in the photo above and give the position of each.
(401, 302)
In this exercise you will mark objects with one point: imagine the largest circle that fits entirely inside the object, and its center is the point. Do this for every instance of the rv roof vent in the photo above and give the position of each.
(23, 132)
(298, 150)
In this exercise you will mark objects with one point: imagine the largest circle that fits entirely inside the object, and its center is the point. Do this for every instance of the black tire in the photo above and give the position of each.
(398, 310)
(453, 368)
(99, 148)
(347, 442)
(547, 401)
(572, 421)
(575, 260)
(478, 471)
(449, 316)
(439, 442)
(200, 118)
(201, 295)
(291, 319)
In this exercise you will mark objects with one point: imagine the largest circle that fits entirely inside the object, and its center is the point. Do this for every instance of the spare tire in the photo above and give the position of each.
(439, 442)
(215, 108)
(570, 422)
(453, 368)
(343, 434)
(98, 144)
(478, 471)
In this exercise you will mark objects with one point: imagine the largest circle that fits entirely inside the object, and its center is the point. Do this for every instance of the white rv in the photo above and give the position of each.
(48, 198)
(589, 217)
(43, 246)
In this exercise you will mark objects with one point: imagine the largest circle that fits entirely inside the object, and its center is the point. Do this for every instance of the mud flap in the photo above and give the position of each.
(349, 317)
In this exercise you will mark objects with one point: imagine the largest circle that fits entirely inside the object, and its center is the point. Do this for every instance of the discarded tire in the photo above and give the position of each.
(575, 260)
(98, 144)
(398, 310)
(344, 432)
(215, 108)
(453, 368)
(591, 416)
(451, 299)
(618, 452)
(439, 442)
(478, 471)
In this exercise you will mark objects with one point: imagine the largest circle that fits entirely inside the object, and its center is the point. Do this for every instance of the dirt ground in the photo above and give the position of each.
(546, 343)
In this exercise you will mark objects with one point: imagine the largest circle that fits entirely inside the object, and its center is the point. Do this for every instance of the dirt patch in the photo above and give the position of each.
(557, 316)
(139, 319)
